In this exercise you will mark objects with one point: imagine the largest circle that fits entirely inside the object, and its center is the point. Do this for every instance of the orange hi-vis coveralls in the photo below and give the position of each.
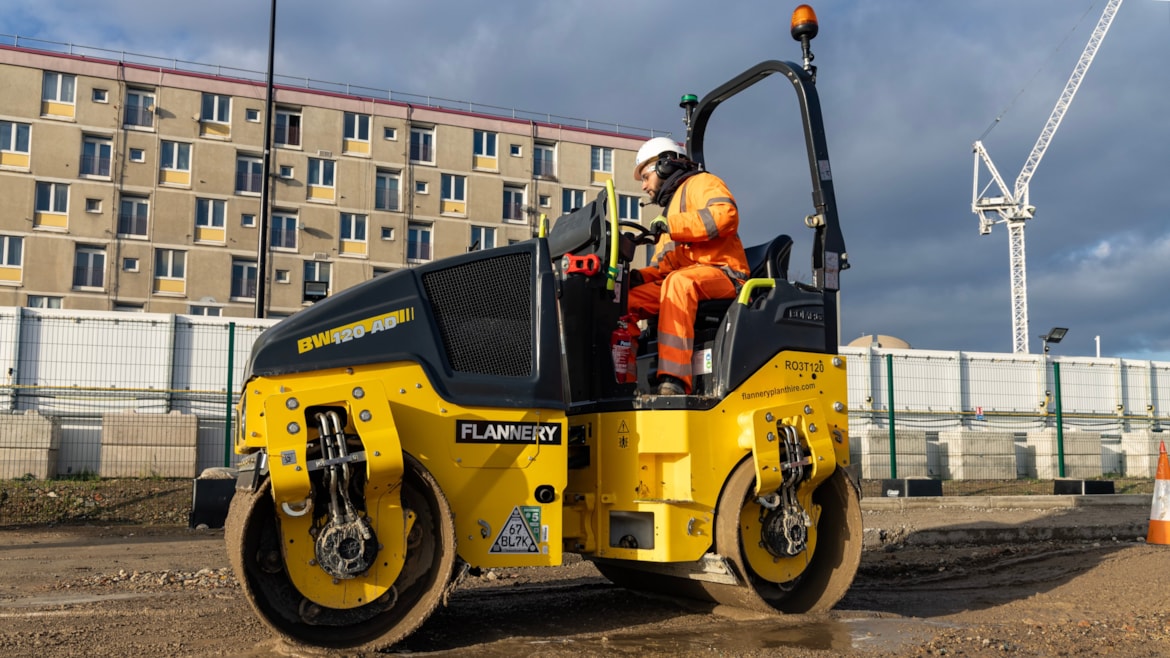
(704, 259)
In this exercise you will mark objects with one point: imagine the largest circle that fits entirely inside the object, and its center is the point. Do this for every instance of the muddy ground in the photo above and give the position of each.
(977, 577)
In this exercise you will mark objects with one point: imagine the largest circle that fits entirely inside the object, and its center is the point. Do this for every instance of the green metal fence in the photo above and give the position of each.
(115, 395)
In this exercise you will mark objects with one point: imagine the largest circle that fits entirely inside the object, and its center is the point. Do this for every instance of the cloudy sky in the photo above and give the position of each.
(907, 86)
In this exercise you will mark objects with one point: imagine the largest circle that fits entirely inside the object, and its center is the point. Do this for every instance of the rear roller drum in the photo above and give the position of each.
(253, 544)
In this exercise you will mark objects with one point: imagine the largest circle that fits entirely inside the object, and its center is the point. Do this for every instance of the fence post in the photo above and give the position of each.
(1059, 419)
(227, 418)
(890, 413)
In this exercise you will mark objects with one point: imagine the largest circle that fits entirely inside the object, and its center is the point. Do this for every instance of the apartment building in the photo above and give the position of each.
(137, 188)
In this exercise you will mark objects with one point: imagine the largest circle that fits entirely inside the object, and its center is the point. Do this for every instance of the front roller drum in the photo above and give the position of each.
(254, 548)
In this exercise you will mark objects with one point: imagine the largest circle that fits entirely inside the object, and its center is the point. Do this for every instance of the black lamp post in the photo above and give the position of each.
(262, 246)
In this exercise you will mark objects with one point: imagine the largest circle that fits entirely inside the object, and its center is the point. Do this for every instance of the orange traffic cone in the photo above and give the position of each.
(1159, 532)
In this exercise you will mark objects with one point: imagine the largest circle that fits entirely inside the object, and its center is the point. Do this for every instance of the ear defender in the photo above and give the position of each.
(666, 167)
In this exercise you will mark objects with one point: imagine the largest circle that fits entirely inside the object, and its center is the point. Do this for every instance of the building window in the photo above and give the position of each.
(252, 115)
(282, 276)
(53, 197)
(14, 137)
(137, 155)
(93, 205)
(353, 227)
(286, 171)
(132, 216)
(243, 279)
(422, 141)
(485, 144)
(422, 187)
(513, 203)
(248, 220)
(176, 156)
(321, 172)
(545, 201)
(210, 213)
(123, 307)
(130, 264)
(170, 264)
(287, 128)
(284, 232)
(386, 190)
(516, 151)
(482, 237)
(43, 301)
(316, 281)
(216, 108)
(390, 134)
(139, 110)
(199, 309)
(454, 188)
(602, 160)
(11, 250)
(95, 156)
(249, 174)
(418, 243)
(89, 267)
(454, 194)
(484, 147)
(543, 164)
(357, 127)
(317, 272)
(571, 200)
(628, 208)
(100, 95)
(58, 87)
(387, 232)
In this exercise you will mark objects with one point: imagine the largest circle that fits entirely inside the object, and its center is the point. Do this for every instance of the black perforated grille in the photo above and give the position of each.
(484, 313)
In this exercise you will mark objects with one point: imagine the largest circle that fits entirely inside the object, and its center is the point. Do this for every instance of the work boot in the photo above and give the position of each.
(668, 385)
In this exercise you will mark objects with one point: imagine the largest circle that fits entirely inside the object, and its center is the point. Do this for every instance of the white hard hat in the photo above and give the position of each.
(651, 150)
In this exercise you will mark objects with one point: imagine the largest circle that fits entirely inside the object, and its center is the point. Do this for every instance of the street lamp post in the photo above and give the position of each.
(265, 180)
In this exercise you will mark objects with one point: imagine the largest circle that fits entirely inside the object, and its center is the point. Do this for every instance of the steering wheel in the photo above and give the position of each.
(643, 235)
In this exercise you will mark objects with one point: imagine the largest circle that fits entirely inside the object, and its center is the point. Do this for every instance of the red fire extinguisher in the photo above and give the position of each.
(624, 346)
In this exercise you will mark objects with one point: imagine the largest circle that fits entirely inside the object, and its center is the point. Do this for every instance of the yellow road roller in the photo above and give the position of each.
(468, 413)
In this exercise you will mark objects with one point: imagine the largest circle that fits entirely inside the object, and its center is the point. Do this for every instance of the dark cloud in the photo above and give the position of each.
(906, 88)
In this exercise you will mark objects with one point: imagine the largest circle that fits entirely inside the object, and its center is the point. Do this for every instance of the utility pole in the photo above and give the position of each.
(262, 246)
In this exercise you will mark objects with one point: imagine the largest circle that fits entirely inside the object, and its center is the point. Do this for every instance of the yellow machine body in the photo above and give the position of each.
(652, 475)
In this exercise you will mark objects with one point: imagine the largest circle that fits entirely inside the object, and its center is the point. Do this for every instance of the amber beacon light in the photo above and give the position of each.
(804, 28)
(804, 23)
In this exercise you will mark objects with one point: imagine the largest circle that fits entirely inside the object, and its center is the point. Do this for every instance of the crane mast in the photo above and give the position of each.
(1012, 205)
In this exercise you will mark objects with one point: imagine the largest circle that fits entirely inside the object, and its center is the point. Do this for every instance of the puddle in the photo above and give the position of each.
(853, 635)
(66, 599)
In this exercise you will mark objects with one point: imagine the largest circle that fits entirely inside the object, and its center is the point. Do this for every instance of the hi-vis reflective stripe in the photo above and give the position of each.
(355, 330)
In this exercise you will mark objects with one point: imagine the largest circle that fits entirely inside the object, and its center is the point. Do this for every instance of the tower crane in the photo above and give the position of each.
(1012, 206)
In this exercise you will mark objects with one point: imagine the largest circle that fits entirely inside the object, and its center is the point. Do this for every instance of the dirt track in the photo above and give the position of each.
(1067, 588)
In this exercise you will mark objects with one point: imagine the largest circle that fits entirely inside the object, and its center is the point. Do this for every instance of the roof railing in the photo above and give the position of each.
(310, 84)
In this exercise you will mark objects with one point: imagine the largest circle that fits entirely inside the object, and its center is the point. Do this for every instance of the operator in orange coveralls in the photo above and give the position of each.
(703, 258)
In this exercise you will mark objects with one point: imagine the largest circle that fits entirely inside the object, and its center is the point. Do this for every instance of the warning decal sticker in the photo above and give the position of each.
(517, 536)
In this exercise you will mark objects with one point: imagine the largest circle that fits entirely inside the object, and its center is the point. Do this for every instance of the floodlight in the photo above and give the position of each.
(1054, 335)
